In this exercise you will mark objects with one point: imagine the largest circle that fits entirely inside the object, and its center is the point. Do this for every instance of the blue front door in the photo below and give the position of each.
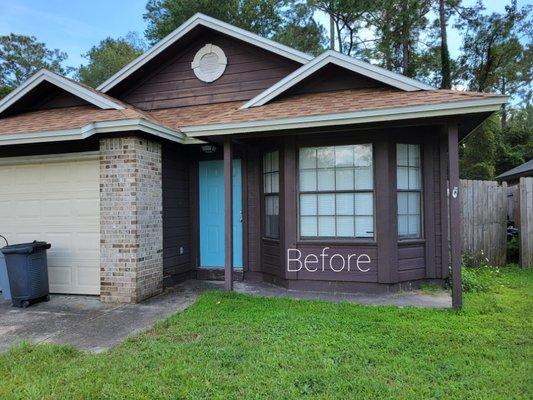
(212, 214)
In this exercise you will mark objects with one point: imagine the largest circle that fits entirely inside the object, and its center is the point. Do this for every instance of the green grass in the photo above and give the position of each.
(236, 346)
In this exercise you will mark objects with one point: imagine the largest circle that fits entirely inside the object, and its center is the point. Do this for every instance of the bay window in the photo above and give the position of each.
(409, 185)
(271, 194)
(336, 198)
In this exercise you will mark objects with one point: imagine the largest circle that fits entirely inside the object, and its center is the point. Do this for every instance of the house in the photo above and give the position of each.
(219, 154)
(514, 174)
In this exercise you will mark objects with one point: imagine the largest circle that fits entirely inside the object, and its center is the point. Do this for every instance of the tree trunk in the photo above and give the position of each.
(446, 82)
(405, 41)
(504, 109)
(331, 33)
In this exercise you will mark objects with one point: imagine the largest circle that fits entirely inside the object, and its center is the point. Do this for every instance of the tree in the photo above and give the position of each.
(478, 152)
(288, 21)
(107, 57)
(398, 25)
(515, 144)
(493, 56)
(22, 56)
(258, 16)
(350, 18)
(445, 70)
(300, 30)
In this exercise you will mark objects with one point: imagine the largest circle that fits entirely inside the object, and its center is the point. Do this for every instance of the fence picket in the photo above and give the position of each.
(484, 219)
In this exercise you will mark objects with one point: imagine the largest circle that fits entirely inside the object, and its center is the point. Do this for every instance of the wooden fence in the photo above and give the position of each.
(525, 224)
(484, 219)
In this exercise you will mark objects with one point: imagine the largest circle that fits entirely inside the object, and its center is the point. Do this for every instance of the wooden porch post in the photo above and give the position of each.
(228, 214)
(455, 223)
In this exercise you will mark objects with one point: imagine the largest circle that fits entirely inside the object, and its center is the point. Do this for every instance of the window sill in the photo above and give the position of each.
(337, 242)
(411, 241)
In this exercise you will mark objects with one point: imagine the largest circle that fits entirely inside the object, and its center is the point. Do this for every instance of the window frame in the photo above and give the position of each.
(420, 191)
(265, 195)
(335, 239)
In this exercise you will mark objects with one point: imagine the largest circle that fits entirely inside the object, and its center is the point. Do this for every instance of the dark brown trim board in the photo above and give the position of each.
(455, 239)
(228, 214)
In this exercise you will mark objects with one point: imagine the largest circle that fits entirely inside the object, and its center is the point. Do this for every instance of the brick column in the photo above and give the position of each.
(131, 225)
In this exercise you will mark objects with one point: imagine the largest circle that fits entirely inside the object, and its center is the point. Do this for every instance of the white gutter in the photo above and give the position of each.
(347, 118)
(124, 125)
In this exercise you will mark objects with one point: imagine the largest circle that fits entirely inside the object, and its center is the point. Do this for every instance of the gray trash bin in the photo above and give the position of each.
(27, 268)
(4, 280)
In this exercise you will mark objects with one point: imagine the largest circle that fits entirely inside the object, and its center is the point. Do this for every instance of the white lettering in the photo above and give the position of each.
(366, 261)
(331, 262)
(289, 259)
(314, 261)
(323, 255)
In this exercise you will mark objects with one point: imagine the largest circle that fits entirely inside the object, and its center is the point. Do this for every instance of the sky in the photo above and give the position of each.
(74, 26)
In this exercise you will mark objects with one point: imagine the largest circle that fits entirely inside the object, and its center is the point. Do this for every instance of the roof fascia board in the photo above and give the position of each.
(208, 22)
(61, 82)
(94, 128)
(356, 117)
(344, 61)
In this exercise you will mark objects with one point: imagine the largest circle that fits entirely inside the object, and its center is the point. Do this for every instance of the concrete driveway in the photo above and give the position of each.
(88, 324)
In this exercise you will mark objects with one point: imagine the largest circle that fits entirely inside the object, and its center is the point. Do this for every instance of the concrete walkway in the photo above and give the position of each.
(88, 324)
(416, 298)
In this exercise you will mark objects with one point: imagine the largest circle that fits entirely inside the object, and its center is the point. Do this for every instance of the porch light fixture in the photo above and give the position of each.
(209, 148)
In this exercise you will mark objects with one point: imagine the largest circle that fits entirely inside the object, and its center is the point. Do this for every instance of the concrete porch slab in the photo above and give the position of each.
(415, 298)
(88, 324)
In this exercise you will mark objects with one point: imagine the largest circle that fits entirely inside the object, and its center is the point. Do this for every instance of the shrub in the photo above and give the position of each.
(477, 275)
(471, 259)
(513, 250)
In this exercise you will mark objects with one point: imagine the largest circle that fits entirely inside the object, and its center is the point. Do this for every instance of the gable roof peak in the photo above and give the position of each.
(43, 75)
(200, 19)
(344, 61)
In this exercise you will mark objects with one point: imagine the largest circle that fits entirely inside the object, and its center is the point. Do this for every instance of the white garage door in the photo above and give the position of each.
(56, 200)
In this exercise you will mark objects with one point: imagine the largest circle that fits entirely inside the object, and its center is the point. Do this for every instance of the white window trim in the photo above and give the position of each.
(353, 191)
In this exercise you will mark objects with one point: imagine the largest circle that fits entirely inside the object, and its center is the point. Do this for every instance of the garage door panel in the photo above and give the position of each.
(57, 202)
(86, 277)
(59, 276)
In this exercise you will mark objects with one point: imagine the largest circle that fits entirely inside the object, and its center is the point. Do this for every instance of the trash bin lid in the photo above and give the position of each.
(25, 248)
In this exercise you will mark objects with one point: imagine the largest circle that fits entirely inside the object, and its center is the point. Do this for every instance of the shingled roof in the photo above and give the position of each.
(525, 169)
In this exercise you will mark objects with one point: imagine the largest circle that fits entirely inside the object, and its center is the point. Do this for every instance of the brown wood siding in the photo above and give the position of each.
(56, 98)
(253, 212)
(176, 213)
(249, 71)
(271, 257)
(331, 78)
(44, 97)
(35, 149)
(354, 275)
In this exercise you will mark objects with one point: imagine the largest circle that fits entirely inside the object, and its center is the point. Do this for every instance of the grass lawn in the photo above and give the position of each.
(237, 346)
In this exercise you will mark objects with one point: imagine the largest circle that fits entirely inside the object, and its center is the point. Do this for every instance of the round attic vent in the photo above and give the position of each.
(209, 63)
